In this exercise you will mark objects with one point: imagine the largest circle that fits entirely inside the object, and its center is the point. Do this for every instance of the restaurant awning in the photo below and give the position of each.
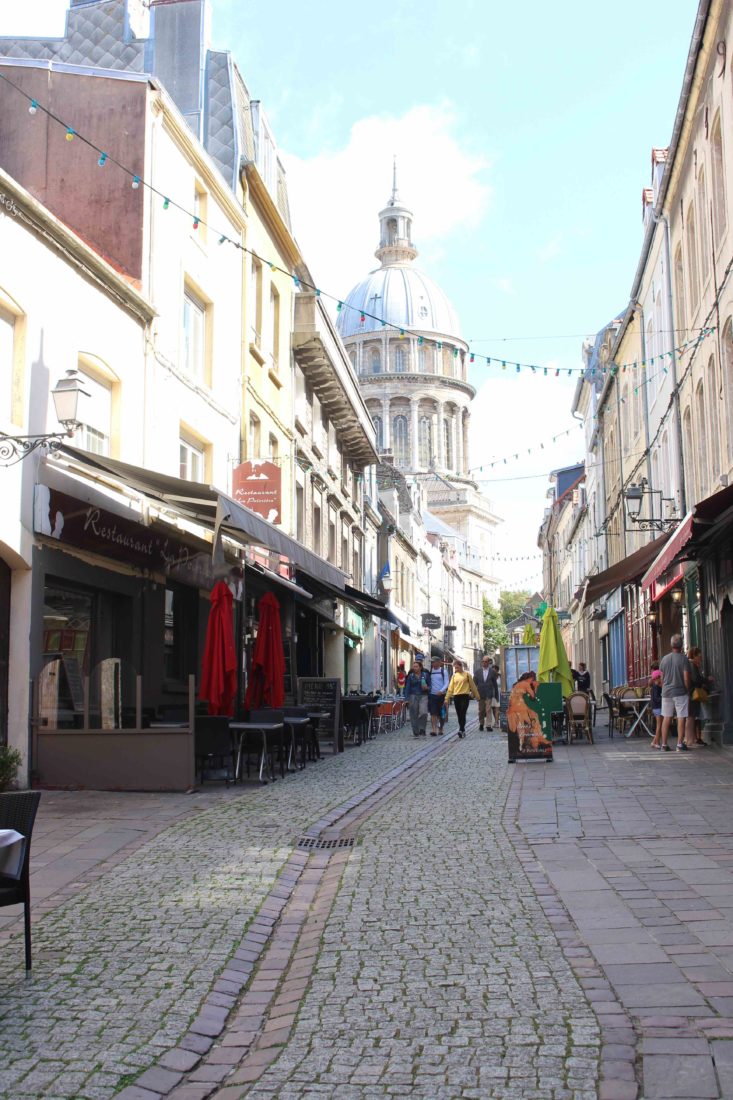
(623, 572)
(207, 506)
(674, 544)
(361, 601)
(683, 543)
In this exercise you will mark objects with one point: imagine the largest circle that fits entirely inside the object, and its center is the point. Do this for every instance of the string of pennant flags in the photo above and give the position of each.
(500, 362)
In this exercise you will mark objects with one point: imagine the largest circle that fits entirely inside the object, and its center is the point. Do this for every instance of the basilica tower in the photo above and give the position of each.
(403, 336)
(404, 339)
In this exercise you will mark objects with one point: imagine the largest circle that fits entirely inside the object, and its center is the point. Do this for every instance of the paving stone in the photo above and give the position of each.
(159, 1079)
(179, 1059)
(672, 1076)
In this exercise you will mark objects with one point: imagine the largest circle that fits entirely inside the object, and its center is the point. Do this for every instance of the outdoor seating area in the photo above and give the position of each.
(278, 740)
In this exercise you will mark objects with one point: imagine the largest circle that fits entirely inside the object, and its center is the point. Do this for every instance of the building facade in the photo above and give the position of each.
(657, 405)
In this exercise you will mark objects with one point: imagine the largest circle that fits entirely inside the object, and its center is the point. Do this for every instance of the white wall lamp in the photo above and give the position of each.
(66, 394)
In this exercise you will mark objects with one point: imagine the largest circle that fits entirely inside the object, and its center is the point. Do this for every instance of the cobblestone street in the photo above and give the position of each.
(412, 918)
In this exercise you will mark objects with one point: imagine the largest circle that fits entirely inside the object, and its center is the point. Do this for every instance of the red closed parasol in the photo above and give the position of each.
(266, 686)
(219, 666)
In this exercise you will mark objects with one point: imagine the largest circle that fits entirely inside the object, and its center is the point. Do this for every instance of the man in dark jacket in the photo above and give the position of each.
(488, 690)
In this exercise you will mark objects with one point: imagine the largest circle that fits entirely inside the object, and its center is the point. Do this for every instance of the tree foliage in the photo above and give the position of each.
(512, 604)
(495, 632)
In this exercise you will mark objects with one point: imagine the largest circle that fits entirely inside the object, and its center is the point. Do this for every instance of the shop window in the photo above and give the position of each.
(179, 633)
(86, 633)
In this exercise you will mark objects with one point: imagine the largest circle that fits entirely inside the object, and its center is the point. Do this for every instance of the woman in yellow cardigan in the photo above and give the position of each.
(460, 690)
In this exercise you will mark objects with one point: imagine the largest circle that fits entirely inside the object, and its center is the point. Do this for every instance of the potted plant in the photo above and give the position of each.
(10, 761)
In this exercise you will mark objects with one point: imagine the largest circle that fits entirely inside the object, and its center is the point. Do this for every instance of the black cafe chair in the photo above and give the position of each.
(18, 811)
(213, 745)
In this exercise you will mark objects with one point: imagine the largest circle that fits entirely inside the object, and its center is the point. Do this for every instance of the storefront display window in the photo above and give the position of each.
(67, 631)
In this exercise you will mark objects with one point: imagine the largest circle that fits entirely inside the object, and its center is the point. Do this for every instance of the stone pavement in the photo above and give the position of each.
(122, 964)
(638, 846)
(408, 919)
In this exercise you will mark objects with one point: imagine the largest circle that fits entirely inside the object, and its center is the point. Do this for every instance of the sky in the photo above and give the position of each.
(523, 135)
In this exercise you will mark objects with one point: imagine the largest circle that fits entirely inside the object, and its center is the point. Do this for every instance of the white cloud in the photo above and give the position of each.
(505, 284)
(551, 249)
(336, 196)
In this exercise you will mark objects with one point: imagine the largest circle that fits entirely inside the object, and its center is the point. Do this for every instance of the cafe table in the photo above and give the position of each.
(640, 707)
(296, 722)
(317, 716)
(269, 732)
(12, 849)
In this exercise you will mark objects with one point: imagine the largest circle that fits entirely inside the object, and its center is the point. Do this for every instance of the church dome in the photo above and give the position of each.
(403, 296)
(397, 292)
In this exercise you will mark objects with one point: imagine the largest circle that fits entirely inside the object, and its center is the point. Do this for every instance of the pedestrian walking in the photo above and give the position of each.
(676, 679)
(655, 695)
(582, 677)
(460, 690)
(417, 686)
(700, 685)
(439, 680)
(485, 679)
(496, 701)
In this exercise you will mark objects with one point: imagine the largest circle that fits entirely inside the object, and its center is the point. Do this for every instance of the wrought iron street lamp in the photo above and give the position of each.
(635, 495)
(66, 394)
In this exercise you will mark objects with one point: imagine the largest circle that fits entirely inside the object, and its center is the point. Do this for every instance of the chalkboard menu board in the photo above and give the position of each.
(324, 694)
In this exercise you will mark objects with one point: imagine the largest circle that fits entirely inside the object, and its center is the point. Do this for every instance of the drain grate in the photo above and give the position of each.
(311, 842)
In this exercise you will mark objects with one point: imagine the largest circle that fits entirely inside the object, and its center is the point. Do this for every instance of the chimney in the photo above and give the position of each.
(181, 37)
(647, 204)
(659, 160)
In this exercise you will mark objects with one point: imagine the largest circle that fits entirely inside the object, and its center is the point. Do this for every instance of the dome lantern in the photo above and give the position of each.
(395, 222)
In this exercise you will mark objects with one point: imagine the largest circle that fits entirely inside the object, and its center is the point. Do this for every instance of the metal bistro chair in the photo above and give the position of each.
(355, 716)
(626, 714)
(578, 708)
(18, 811)
(213, 745)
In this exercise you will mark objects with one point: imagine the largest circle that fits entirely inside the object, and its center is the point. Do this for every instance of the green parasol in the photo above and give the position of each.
(529, 637)
(554, 666)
